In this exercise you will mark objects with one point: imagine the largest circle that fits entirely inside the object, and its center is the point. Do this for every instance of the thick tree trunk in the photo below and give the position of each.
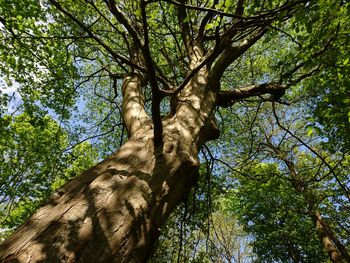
(113, 212)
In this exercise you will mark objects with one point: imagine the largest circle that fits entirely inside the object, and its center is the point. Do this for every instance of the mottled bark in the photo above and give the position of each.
(113, 211)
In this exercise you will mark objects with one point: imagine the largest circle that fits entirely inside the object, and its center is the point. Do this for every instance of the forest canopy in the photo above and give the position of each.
(228, 120)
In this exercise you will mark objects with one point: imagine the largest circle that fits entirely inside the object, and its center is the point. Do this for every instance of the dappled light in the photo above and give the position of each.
(174, 131)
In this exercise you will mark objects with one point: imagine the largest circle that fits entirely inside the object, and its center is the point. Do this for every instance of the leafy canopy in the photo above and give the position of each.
(67, 59)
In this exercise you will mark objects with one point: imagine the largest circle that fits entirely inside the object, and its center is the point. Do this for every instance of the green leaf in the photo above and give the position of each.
(310, 130)
(209, 26)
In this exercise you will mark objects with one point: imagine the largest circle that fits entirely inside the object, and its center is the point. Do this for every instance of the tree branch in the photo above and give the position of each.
(286, 6)
(344, 187)
(114, 54)
(318, 53)
(133, 110)
(125, 21)
(204, 21)
(240, 8)
(185, 29)
(228, 98)
(231, 53)
(156, 95)
(304, 76)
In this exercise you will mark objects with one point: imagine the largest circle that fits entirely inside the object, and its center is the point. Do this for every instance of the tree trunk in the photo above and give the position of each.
(335, 249)
(113, 212)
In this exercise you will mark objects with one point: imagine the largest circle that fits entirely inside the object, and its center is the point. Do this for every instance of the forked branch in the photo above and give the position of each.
(231, 53)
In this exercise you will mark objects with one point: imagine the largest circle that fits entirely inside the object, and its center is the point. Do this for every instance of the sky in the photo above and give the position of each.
(12, 91)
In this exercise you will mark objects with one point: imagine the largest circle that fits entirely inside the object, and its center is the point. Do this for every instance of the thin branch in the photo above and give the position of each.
(92, 137)
(204, 22)
(342, 186)
(97, 39)
(285, 6)
(304, 76)
(314, 55)
(231, 53)
(239, 8)
(287, 34)
(156, 95)
(185, 29)
(125, 21)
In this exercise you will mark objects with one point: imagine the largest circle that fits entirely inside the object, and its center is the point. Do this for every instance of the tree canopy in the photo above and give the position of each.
(262, 86)
(34, 164)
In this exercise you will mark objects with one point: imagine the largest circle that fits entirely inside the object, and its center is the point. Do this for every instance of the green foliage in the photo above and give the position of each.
(33, 164)
(202, 229)
(277, 183)
(32, 58)
(58, 68)
(330, 90)
(277, 217)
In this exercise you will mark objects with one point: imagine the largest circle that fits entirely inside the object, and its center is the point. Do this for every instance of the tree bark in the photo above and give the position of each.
(335, 249)
(113, 212)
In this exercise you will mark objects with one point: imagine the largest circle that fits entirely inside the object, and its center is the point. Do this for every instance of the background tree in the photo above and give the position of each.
(175, 64)
(203, 229)
(286, 197)
(34, 164)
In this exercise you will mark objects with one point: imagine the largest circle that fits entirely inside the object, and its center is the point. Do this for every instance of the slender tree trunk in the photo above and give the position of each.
(335, 249)
(113, 212)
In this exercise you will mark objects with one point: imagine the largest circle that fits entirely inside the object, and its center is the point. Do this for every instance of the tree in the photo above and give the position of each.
(182, 55)
(290, 188)
(34, 164)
